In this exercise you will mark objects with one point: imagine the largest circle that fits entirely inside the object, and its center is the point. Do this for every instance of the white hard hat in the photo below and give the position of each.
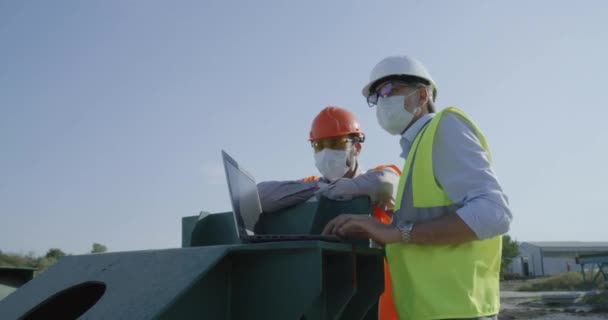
(399, 66)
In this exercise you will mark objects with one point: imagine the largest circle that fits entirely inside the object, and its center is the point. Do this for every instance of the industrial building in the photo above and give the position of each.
(547, 258)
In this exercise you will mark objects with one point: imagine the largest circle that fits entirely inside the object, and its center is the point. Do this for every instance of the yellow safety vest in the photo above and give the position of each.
(441, 281)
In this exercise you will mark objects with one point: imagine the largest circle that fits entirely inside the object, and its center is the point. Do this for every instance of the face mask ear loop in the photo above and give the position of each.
(418, 108)
(351, 154)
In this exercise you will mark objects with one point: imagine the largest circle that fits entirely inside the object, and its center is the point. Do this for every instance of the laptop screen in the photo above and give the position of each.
(244, 196)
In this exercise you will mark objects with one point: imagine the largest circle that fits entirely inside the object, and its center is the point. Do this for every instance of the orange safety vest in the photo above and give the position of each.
(386, 306)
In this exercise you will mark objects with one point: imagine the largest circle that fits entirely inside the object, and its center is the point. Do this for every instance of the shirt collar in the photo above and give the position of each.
(411, 132)
(408, 137)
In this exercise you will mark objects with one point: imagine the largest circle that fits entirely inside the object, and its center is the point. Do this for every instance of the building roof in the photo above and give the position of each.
(569, 245)
(20, 274)
(561, 244)
(17, 268)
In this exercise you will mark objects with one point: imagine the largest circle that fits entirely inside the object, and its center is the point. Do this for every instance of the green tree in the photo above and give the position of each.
(510, 250)
(98, 248)
(54, 253)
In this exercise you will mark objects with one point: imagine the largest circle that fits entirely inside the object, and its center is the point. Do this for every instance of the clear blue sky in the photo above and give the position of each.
(113, 113)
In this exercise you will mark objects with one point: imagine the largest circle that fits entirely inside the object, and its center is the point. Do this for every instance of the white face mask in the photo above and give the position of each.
(392, 115)
(332, 164)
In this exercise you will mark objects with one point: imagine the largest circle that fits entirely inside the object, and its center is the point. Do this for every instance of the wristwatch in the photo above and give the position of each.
(406, 231)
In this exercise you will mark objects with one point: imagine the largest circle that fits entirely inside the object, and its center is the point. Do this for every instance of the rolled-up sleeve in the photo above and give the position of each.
(380, 185)
(462, 167)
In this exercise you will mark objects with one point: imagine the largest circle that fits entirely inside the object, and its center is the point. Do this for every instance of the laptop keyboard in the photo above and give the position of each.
(291, 237)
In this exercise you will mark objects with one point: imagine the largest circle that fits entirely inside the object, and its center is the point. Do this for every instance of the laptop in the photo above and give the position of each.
(246, 207)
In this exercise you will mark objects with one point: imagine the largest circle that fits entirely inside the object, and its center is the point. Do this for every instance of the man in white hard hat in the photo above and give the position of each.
(444, 244)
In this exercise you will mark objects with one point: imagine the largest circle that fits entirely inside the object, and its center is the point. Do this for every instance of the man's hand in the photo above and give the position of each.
(362, 227)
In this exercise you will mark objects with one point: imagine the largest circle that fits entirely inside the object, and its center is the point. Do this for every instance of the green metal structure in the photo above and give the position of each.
(215, 276)
(597, 260)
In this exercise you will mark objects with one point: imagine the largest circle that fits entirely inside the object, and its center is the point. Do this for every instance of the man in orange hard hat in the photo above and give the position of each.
(336, 139)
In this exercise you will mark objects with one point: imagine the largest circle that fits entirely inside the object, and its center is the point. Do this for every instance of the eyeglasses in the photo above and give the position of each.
(384, 91)
(331, 143)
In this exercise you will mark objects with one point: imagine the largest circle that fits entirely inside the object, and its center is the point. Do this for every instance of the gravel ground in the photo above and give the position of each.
(525, 305)
(567, 316)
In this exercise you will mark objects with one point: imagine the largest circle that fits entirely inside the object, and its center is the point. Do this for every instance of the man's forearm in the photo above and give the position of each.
(448, 229)
(277, 195)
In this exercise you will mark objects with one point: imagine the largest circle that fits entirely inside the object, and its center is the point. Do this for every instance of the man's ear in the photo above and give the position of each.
(423, 96)
(358, 147)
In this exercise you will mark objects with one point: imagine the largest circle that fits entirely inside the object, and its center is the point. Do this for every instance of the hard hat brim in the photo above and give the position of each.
(402, 77)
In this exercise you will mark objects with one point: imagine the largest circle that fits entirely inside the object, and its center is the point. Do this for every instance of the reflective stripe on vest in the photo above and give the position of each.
(441, 281)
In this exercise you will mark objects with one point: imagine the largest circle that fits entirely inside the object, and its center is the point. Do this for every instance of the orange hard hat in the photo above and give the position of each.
(334, 122)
